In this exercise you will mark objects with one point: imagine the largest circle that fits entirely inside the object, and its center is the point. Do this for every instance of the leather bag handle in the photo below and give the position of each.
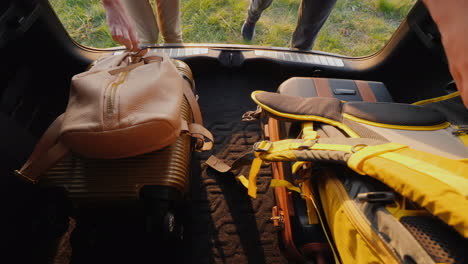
(133, 64)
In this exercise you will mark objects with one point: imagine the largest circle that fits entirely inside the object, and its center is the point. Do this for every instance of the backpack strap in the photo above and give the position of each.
(432, 181)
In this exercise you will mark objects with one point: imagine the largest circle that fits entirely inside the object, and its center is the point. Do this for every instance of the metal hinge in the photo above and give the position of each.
(277, 217)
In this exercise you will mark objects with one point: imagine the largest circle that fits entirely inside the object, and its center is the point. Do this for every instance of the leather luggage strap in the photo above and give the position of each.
(200, 133)
(196, 129)
(366, 92)
(196, 113)
(46, 153)
(245, 158)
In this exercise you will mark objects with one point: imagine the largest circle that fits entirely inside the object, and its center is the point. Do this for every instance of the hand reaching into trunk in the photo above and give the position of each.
(120, 25)
(452, 21)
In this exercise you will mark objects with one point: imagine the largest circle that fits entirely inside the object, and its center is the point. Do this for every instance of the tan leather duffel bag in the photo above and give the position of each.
(125, 105)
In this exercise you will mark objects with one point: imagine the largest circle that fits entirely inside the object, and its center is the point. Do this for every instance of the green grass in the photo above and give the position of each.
(394, 8)
(355, 27)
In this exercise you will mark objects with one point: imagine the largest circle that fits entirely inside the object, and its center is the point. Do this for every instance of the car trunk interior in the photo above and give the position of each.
(222, 224)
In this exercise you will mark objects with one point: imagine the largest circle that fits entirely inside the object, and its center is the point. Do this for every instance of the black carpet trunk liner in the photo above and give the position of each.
(224, 224)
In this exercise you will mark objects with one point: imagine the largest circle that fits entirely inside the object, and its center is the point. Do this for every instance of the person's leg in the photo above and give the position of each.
(311, 17)
(253, 15)
(169, 20)
(145, 22)
(256, 8)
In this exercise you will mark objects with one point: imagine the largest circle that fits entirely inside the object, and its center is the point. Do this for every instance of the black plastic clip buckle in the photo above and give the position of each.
(376, 197)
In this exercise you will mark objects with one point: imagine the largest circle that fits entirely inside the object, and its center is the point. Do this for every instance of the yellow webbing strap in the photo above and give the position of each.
(308, 131)
(437, 99)
(298, 165)
(286, 184)
(273, 183)
(356, 162)
(244, 181)
(254, 169)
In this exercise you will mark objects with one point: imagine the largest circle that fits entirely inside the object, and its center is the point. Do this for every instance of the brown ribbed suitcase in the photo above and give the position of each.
(94, 180)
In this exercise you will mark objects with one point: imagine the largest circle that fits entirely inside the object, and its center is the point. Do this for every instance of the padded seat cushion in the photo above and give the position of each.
(343, 89)
(394, 114)
(333, 109)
